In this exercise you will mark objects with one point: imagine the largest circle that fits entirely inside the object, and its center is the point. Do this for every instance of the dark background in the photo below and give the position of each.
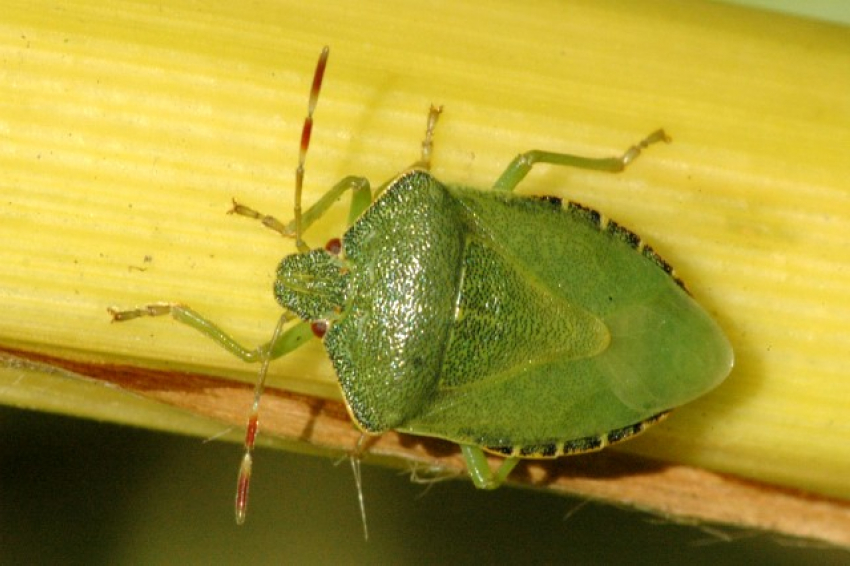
(83, 492)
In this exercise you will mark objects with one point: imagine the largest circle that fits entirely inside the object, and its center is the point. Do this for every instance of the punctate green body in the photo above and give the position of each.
(524, 326)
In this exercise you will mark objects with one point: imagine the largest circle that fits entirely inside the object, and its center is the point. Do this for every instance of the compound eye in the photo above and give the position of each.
(319, 328)
(334, 246)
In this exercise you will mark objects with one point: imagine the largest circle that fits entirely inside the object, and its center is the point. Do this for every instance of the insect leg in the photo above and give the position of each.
(424, 161)
(428, 143)
(522, 164)
(285, 342)
(361, 198)
(359, 187)
(282, 342)
(479, 468)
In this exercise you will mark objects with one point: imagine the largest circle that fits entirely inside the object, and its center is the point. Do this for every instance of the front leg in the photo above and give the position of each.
(282, 344)
(361, 198)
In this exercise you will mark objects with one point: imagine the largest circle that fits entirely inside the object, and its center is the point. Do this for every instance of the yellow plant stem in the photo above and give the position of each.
(127, 127)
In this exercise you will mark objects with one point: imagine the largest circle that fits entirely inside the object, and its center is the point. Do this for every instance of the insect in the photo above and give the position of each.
(522, 326)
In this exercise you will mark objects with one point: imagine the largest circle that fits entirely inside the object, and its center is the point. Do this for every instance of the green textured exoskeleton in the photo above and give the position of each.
(509, 322)
(521, 325)
(524, 326)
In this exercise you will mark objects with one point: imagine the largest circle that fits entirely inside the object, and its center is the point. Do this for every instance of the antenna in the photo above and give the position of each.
(243, 483)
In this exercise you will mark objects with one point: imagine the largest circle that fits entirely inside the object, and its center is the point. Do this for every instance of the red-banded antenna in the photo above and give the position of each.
(305, 143)
(244, 481)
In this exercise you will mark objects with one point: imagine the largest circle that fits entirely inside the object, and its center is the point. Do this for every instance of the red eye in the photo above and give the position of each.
(334, 246)
(319, 328)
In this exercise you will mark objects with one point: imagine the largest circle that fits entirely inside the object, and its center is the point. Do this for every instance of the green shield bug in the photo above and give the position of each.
(521, 326)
